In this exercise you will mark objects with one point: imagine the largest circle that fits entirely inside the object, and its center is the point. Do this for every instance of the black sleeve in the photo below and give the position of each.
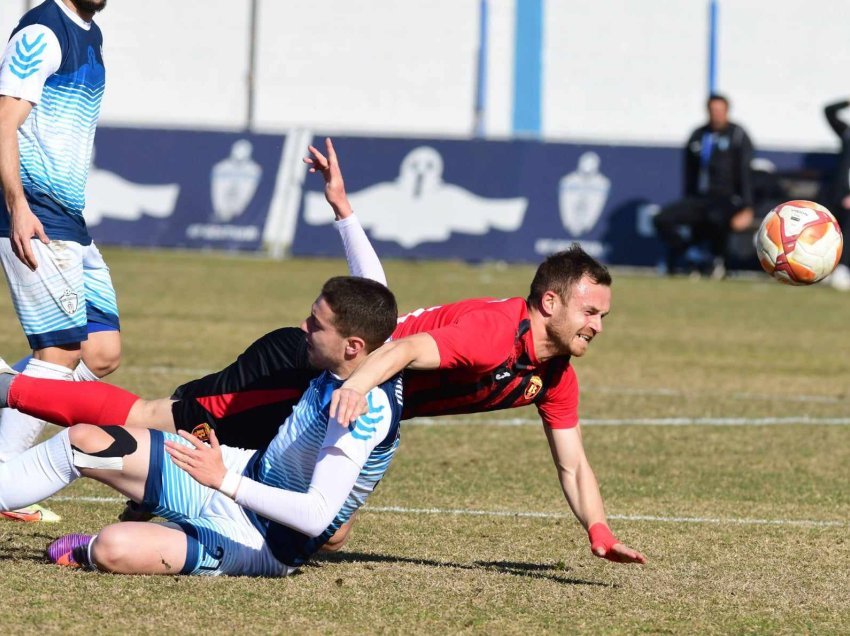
(690, 168)
(263, 365)
(247, 401)
(831, 111)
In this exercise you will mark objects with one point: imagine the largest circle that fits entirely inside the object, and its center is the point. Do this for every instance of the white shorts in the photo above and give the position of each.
(220, 537)
(69, 295)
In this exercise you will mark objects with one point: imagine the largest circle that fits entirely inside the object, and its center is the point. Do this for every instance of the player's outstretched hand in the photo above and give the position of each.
(202, 462)
(334, 185)
(347, 405)
(619, 553)
(24, 226)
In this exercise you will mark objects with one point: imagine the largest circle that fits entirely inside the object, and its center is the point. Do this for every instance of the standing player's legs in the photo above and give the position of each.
(101, 350)
(50, 304)
(68, 296)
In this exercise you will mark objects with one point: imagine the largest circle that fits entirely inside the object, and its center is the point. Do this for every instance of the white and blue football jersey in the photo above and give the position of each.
(54, 60)
(289, 460)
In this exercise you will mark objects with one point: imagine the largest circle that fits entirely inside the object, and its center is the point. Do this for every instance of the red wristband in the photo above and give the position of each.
(601, 536)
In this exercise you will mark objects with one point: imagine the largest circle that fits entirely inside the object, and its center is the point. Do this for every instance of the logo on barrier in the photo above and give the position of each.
(234, 181)
(418, 206)
(110, 196)
(582, 195)
(233, 184)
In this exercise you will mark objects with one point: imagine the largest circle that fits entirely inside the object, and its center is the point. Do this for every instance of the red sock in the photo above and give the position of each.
(68, 403)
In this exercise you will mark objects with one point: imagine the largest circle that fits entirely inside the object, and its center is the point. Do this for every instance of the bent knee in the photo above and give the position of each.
(102, 364)
(113, 549)
(102, 353)
(89, 438)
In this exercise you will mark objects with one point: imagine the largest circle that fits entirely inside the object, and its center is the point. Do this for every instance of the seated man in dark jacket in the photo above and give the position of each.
(718, 190)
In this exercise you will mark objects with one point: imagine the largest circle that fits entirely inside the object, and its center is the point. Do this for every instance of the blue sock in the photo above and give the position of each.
(21, 364)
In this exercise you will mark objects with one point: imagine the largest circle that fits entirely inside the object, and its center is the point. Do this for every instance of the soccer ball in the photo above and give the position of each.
(799, 242)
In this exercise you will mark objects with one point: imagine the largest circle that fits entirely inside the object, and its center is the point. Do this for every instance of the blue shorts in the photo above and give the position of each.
(68, 296)
(220, 537)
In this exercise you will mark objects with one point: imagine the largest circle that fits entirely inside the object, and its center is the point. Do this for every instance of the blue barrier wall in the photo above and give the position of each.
(181, 189)
(425, 199)
(512, 201)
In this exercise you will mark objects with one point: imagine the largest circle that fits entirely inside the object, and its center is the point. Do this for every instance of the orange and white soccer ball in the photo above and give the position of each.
(799, 242)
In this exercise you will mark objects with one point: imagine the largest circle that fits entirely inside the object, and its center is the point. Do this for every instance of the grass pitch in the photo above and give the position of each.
(717, 418)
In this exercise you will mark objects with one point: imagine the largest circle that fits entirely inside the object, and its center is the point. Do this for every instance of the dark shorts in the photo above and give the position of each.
(248, 401)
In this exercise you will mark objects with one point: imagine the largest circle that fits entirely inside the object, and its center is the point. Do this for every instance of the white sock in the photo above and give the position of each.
(83, 374)
(38, 473)
(18, 431)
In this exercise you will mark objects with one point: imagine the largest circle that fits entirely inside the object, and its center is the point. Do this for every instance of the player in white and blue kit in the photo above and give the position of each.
(52, 79)
(234, 511)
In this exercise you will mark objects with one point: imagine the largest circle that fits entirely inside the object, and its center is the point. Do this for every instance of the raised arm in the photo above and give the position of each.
(361, 256)
(582, 493)
(835, 122)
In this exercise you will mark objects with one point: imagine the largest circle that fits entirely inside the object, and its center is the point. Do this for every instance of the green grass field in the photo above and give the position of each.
(717, 418)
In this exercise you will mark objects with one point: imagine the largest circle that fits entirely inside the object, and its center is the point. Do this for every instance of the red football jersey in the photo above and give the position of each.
(487, 363)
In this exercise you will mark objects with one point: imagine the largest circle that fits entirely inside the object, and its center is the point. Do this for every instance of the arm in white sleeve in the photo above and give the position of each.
(31, 56)
(309, 513)
(361, 256)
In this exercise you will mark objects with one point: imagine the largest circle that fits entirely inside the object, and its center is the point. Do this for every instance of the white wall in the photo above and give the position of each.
(623, 70)
(176, 63)
(377, 66)
(10, 13)
(782, 64)
(614, 70)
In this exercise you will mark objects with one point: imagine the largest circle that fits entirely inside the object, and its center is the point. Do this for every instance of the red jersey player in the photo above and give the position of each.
(481, 355)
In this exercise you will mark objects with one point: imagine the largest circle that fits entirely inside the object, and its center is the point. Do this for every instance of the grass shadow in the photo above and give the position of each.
(13, 546)
(521, 569)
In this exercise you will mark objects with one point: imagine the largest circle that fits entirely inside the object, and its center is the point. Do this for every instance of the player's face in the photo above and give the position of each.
(325, 345)
(575, 323)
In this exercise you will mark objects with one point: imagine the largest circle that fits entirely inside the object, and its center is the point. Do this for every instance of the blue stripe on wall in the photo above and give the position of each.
(712, 46)
(528, 63)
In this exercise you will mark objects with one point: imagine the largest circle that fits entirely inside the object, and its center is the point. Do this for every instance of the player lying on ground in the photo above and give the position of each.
(471, 356)
(494, 355)
(233, 511)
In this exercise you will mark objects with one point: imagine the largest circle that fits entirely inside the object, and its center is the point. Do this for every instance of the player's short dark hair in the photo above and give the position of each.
(718, 98)
(562, 270)
(362, 308)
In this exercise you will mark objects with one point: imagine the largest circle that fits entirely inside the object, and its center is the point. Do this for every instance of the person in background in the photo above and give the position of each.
(718, 190)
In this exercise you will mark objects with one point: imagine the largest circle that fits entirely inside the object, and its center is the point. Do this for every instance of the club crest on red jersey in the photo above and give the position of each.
(533, 388)
(202, 432)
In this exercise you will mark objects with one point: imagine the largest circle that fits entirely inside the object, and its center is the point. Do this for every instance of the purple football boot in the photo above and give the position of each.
(71, 550)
